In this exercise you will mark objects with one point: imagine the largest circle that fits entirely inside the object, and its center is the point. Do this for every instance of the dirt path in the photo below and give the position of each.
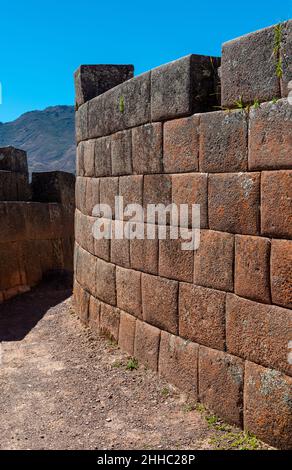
(61, 388)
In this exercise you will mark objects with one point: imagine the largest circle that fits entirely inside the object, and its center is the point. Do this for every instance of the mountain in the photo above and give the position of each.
(48, 137)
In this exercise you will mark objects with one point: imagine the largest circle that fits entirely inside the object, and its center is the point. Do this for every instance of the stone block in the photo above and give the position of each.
(10, 275)
(37, 221)
(202, 315)
(120, 248)
(108, 190)
(94, 314)
(147, 149)
(12, 221)
(281, 272)
(13, 159)
(81, 123)
(81, 302)
(131, 189)
(129, 291)
(109, 321)
(171, 254)
(127, 333)
(83, 231)
(157, 190)
(286, 54)
(144, 252)
(146, 345)
(88, 157)
(80, 194)
(105, 281)
(86, 271)
(191, 189)
(8, 186)
(103, 165)
(121, 153)
(92, 195)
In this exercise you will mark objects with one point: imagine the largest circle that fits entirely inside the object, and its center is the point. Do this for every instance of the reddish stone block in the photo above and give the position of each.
(121, 153)
(109, 321)
(83, 231)
(267, 405)
(191, 189)
(127, 333)
(146, 345)
(86, 270)
(102, 157)
(213, 261)
(258, 332)
(129, 291)
(181, 145)
(157, 190)
(223, 142)
(94, 314)
(178, 363)
(80, 194)
(276, 207)
(101, 246)
(147, 148)
(252, 268)
(88, 147)
(12, 221)
(144, 252)
(233, 202)
(81, 302)
(105, 282)
(10, 275)
(281, 272)
(120, 248)
(108, 190)
(92, 195)
(131, 189)
(202, 315)
(286, 54)
(270, 140)
(171, 254)
(159, 302)
(221, 384)
(37, 221)
(80, 160)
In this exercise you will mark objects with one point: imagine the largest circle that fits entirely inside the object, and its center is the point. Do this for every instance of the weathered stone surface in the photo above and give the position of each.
(94, 314)
(131, 189)
(268, 405)
(223, 142)
(281, 272)
(159, 302)
(221, 384)
(144, 253)
(121, 153)
(9, 265)
(146, 344)
(102, 157)
(202, 315)
(248, 68)
(233, 202)
(157, 190)
(286, 54)
(13, 159)
(85, 157)
(172, 255)
(191, 189)
(109, 321)
(83, 231)
(120, 248)
(108, 190)
(258, 332)
(86, 271)
(12, 221)
(37, 221)
(270, 136)
(92, 195)
(181, 145)
(81, 183)
(127, 333)
(147, 148)
(93, 80)
(54, 186)
(183, 87)
(129, 291)
(276, 207)
(105, 281)
(81, 123)
(8, 186)
(252, 268)
(80, 159)
(81, 302)
(178, 360)
(213, 261)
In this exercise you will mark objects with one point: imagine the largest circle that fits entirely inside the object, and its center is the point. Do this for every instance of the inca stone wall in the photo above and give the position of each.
(215, 322)
(36, 223)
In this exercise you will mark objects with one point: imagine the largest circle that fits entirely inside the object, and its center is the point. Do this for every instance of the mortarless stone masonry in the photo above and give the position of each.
(215, 322)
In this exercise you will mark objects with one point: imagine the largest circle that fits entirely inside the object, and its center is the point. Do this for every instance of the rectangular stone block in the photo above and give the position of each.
(121, 153)
(159, 302)
(80, 194)
(12, 221)
(92, 195)
(267, 405)
(10, 275)
(223, 142)
(105, 281)
(183, 87)
(258, 332)
(101, 246)
(178, 363)
(285, 55)
(88, 157)
(24, 189)
(109, 321)
(191, 189)
(249, 68)
(181, 145)
(252, 268)
(213, 261)
(281, 272)
(127, 333)
(13, 159)
(86, 271)
(157, 190)
(37, 221)
(120, 248)
(102, 157)
(131, 189)
(108, 190)
(81, 123)
(147, 149)
(80, 159)
(146, 346)
(202, 315)
(270, 141)
(233, 202)
(144, 252)
(276, 207)
(94, 314)
(8, 186)
(221, 384)
(172, 254)
(129, 291)
(81, 302)
(83, 231)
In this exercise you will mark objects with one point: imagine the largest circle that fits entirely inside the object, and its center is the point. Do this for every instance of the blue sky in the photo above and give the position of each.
(43, 42)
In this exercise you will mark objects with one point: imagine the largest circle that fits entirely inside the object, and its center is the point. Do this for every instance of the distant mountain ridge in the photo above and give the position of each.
(47, 136)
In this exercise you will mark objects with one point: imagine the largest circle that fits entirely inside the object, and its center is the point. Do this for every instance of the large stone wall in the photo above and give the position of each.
(215, 322)
(36, 223)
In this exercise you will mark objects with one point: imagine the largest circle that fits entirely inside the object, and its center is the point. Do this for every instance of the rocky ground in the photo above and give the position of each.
(63, 388)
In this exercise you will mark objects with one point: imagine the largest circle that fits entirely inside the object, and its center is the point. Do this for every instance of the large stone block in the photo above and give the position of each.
(81, 302)
(270, 136)
(85, 158)
(120, 248)
(109, 322)
(129, 291)
(81, 123)
(202, 315)
(181, 145)
(147, 148)
(131, 189)
(102, 157)
(221, 384)
(281, 272)
(183, 87)
(86, 271)
(8, 186)
(108, 190)
(191, 189)
(252, 268)
(127, 333)
(54, 186)
(105, 281)
(10, 272)
(268, 405)
(37, 221)
(12, 221)
(276, 207)
(121, 153)
(94, 314)
(92, 195)
(146, 346)
(213, 263)
(13, 159)
(286, 54)
(144, 252)
(171, 254)
(80, 193)
(159, 302)
(157, 190)
(223, 142)
(83, 231)
(258, 332)
(178, 363)
(234, 200)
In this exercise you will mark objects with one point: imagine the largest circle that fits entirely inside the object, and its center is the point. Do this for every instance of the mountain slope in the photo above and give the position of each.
(48, 136)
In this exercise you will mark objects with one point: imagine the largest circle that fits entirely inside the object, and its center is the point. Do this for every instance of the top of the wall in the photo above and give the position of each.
(13, 159)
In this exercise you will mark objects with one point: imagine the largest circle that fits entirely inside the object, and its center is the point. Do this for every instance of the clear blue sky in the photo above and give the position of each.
(43, 42)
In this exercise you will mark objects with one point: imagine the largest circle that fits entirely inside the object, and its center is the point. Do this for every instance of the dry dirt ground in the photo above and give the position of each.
(62, 388)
